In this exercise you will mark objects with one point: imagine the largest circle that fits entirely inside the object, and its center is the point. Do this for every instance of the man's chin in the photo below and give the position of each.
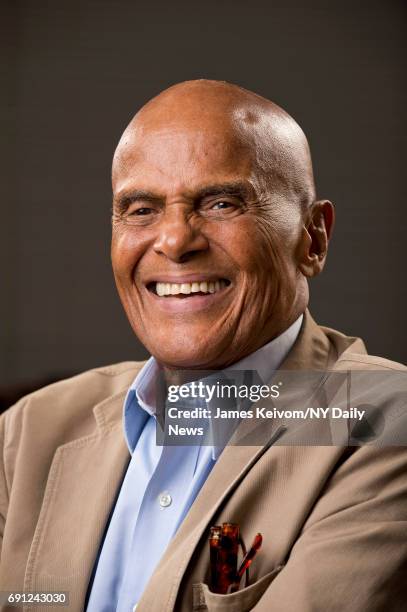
(188, 358)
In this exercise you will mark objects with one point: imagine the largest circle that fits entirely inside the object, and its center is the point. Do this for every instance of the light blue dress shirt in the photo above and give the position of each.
(159, 487)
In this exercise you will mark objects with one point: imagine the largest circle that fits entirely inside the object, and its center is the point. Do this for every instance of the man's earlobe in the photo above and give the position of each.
(317, 231)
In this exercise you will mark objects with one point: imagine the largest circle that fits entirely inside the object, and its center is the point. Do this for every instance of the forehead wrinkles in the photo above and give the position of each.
(174, 151)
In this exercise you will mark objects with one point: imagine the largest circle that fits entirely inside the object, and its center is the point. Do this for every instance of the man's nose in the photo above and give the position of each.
(179, 236)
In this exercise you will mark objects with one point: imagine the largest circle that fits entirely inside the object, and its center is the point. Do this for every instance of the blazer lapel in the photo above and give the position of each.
(82, 486)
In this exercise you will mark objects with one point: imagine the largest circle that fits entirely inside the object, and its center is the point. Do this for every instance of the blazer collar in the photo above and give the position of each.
(312, 349)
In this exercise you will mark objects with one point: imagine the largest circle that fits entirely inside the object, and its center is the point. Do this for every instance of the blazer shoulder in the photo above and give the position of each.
(111, 377)
(351, 353)
(66, 407)
(358, 361)
(99, 382)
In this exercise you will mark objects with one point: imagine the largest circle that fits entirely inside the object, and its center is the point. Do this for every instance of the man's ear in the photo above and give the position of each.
(317, 230)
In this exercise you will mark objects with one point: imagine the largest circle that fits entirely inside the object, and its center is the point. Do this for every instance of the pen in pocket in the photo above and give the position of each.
(224, 547)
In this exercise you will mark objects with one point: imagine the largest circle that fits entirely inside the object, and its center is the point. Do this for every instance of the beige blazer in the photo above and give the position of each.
(333, 519)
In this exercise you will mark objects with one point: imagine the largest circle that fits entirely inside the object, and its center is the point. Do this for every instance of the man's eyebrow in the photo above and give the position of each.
(240, 189)
(123, 201)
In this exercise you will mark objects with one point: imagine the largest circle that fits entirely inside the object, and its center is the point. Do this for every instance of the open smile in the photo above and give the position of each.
(187, 294)
(187, 289)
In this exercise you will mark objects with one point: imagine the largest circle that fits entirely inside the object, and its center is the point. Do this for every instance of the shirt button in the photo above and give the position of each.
(165, 499)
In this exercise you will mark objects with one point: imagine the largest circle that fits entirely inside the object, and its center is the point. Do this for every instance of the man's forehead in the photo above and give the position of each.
(178, 153)
(181, 132)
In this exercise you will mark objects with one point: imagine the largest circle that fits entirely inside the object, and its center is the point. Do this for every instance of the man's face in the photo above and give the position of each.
(203, 252)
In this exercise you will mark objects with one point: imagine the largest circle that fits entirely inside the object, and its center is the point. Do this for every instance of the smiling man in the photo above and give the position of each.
(212, 185)
(216, 231)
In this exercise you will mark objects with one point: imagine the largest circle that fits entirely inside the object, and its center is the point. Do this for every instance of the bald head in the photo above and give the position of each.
(273, 141)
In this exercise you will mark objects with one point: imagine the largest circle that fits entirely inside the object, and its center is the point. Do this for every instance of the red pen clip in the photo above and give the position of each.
(247, 561)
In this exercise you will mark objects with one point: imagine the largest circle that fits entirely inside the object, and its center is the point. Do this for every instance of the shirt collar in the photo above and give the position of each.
(140, 401)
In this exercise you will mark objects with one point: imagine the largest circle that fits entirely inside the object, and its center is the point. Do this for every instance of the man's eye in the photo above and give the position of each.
(222, 209)
(144, 210)
(222, 205)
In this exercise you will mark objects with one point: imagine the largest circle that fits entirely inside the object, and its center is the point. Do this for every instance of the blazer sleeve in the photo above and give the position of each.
(3, 482)
(352, 552)
(10, 425)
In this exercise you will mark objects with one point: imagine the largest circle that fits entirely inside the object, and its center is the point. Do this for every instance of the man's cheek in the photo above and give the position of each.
(120, 252)
(277, 234)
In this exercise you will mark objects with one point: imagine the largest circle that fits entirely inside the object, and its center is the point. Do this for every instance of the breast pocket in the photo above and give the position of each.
(241, 601)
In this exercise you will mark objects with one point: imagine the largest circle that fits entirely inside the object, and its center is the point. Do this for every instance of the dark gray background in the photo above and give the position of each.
(75, 72)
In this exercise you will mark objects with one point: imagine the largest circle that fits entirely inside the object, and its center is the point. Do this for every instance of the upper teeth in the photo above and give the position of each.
(186, 288)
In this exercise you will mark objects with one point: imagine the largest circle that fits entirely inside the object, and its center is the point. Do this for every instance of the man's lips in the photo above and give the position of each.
(188, 292)
(187, 287)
